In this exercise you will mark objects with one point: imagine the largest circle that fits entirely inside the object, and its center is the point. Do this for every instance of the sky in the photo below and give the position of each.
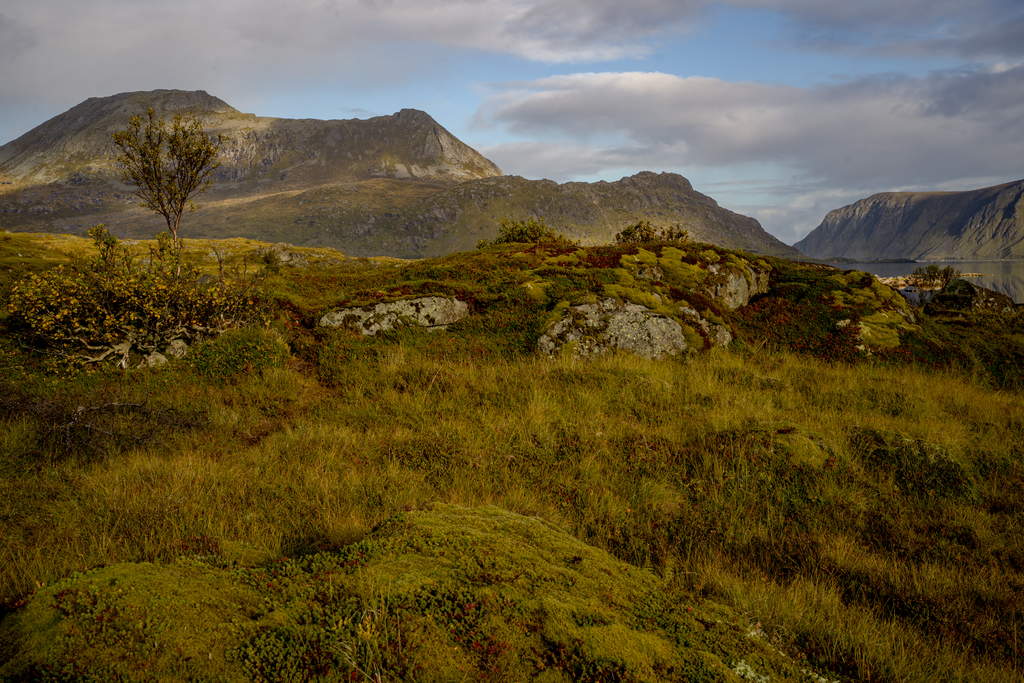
(778, 109)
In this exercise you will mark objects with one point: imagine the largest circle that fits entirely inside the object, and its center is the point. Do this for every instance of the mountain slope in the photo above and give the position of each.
(397, 185)
(77, 144)
(977, 224)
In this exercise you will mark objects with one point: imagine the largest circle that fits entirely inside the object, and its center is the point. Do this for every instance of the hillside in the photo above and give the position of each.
(397, 185)
(530, 462)
(973, 225)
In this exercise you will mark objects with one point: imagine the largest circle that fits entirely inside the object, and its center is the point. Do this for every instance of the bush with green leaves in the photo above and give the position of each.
(118, 304)
(643, 232)
(530, 231)
(933, 277)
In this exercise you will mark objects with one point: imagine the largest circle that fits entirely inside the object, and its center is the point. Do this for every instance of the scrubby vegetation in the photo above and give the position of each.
(933, 276)
(119, 305)
(529, 231)
(643, 231)
(836, 496)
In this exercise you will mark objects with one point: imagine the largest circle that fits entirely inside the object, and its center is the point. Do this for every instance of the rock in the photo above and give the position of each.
(283, 254)
(595, 328)
(432, 312)
(719, 334)
(176, 349)
(733, 286)
(961, 295)
(153, 360)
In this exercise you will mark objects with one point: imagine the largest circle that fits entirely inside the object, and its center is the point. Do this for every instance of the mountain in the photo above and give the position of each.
(977, 224)
(398, 185)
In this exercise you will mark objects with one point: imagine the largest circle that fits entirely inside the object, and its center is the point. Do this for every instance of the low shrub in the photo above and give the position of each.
(114, 305)
(531, 231)
(644, 232)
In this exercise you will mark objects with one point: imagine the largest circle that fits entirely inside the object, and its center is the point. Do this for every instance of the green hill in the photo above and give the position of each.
(819, 483)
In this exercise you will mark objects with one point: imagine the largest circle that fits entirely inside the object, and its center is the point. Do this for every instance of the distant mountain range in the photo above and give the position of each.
(972, 225)
(398, 185)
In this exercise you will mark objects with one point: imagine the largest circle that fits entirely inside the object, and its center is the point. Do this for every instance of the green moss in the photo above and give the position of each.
(678, 272)
(537, 289)
(430, 595)
(563, 259)
(694, 339)
(637, 296)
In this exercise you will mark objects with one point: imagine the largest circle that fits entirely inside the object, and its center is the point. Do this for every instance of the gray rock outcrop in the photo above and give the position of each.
(593, 329)
(733, 286)
(431, 312)
(961, 295)
(718, 334)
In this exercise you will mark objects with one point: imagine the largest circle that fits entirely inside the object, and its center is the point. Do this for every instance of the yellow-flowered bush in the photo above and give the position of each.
(91, 311)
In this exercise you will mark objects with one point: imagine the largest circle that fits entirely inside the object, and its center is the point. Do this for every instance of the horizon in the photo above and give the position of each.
(777, 109)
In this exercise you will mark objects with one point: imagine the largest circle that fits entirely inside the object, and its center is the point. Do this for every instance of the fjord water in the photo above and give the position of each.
(1002, 276)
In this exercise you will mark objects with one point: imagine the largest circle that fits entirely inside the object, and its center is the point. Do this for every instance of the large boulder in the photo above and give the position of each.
(592, 329)
(733, 284)
(431, 312)
(961, 295)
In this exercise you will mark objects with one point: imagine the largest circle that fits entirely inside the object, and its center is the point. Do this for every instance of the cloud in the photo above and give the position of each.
(976, 30)
(890, 130)
(57, 53)
(821, 147)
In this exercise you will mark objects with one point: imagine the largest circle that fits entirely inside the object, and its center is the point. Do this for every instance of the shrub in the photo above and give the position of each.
(933, 277)
(530, 231)
(643, 232)
(114, 305)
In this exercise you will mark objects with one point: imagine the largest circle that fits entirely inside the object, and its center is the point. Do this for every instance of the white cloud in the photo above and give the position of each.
(823, 145)
(877, 131)
(57, 53)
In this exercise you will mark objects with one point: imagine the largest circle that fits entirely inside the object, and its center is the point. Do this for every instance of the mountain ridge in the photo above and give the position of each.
(982, 224)
(398, 185)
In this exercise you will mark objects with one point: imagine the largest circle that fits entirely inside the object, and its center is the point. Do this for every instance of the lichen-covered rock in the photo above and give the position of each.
(176, 349)
(733, 283)
(961, 295)
(432, 312)
(441, 594)
(720, 335)
(885, 313)
(592, 329)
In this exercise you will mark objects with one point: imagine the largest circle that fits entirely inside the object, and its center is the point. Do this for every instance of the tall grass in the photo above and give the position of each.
(766, 480)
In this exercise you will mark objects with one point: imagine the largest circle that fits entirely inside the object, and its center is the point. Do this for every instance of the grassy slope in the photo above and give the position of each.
(864, 517)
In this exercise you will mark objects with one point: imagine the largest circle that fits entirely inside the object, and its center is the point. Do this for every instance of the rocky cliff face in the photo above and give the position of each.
(978, 224)
(77, 145)
(397, 185)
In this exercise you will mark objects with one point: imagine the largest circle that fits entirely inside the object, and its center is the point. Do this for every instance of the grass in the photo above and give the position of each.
(862, 516)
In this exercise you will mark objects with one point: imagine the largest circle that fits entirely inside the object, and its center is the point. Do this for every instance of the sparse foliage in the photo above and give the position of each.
(169, 164)
(531, 231)
(643, 231)
(114, 306)
(934, 277)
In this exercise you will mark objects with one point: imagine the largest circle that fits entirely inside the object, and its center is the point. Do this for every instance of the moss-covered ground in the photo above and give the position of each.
(306, 504)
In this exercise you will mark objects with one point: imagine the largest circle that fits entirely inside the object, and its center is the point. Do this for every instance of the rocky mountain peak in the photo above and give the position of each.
(409, 144)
